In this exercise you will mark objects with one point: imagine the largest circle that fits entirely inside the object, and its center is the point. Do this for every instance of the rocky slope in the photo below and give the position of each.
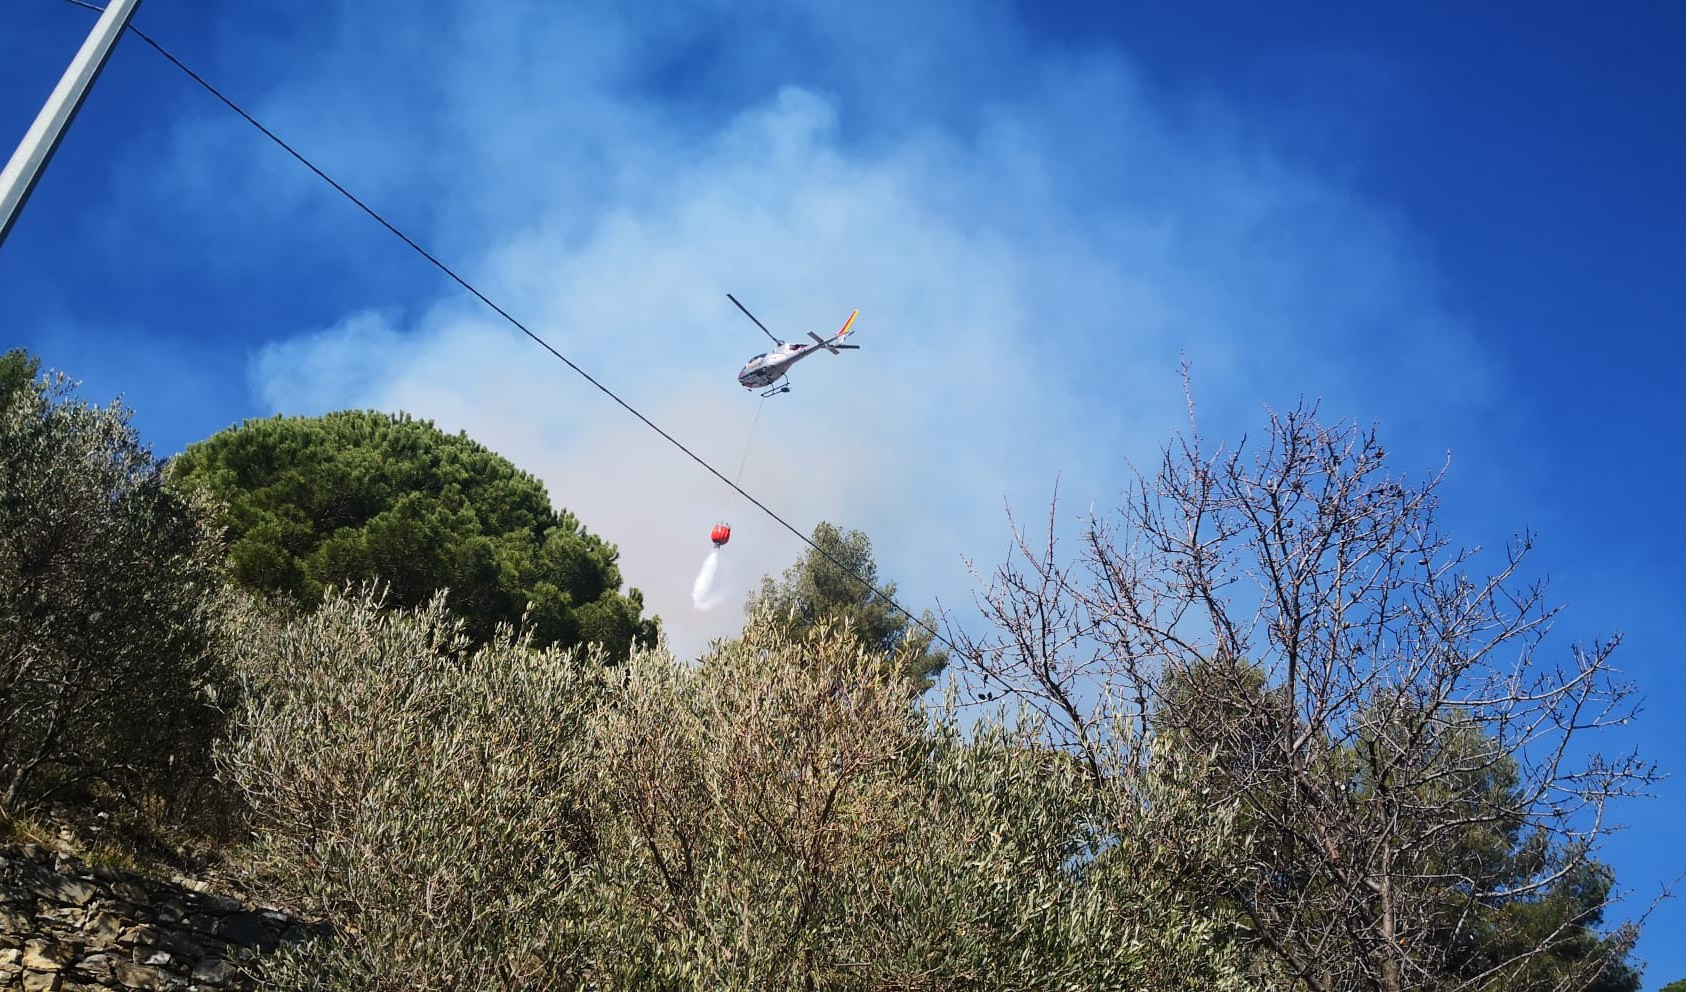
(66, 925)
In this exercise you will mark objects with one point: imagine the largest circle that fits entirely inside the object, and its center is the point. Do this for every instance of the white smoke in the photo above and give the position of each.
(705, 592)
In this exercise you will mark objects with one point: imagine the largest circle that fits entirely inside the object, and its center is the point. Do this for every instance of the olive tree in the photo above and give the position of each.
(109, 596)
(417, 792)
(1405, 751)
(779, 815)
(782, 816)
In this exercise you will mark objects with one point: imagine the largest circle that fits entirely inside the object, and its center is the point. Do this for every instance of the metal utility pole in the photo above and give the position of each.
(42, 138)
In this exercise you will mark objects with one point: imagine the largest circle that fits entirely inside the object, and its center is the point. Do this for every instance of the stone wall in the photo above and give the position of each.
(66, 925)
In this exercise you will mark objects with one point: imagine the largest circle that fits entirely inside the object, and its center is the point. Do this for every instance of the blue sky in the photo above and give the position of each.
(1461, 223)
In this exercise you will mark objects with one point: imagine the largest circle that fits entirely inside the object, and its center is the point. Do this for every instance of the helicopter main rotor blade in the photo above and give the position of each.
(751, 316)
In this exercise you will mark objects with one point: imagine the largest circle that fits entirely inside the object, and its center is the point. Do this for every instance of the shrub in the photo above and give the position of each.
(419, 794)
(780, 815)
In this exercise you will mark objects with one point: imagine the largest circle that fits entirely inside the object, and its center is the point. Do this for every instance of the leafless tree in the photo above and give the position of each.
(1382, 708)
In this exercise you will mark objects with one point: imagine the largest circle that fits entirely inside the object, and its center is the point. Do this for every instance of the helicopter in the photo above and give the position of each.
(765, 371)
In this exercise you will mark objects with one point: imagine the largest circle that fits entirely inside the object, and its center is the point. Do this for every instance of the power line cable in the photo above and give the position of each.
(500, 311)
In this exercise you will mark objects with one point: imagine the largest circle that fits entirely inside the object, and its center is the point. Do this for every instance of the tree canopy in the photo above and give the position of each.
(17, 371)
(1406, 755)
(838, 583)
(108, 596)
(778, 815)
(1490, 902)
(1270, 730)
(359, 496)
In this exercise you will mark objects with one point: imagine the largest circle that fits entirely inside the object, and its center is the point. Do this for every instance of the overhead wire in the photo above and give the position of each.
(500, 311)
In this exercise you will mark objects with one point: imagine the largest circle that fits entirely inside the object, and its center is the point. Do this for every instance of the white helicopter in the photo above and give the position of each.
(767, 370)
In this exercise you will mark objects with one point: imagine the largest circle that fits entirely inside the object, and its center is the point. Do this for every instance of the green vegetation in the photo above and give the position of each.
(1355, 773)
(356, 496)
(1463, 821)
(838, 583)
(419, 792)
(109, 596)
(1406, 754)
(778, 816)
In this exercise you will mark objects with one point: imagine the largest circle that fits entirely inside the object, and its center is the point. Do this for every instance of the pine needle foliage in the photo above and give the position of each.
(358, 496)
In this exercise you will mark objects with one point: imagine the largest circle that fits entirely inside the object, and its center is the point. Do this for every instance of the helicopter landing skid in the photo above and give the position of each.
(776, 390)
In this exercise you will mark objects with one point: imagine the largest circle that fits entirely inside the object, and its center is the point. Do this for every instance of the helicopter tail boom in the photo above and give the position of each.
(836, 340)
